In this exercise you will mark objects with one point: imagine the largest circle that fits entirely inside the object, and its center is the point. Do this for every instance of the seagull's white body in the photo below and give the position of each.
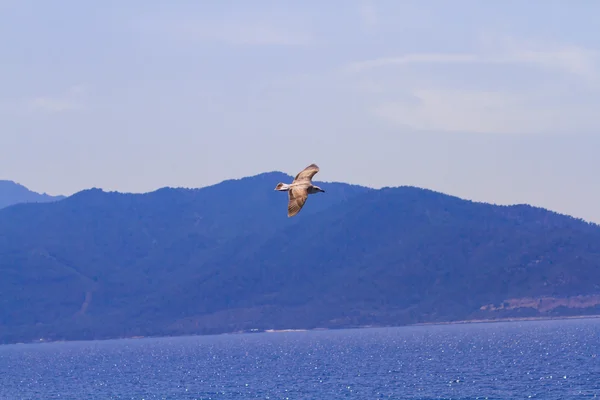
(299, 189)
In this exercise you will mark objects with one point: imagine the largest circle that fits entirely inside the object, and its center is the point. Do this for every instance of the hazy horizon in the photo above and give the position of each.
(492, 102)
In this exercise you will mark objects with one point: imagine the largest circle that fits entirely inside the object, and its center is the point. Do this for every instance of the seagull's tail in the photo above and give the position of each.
(282, 187)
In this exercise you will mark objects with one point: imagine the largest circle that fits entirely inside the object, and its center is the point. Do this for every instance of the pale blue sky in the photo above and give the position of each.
(495, 101)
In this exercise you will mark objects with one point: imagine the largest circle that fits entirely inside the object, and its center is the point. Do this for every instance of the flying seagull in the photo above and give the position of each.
(299, 189)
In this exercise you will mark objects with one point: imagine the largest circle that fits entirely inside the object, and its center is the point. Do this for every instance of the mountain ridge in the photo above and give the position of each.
(12, 193)
(226, 257)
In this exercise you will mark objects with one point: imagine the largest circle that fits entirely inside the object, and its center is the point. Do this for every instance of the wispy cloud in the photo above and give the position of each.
(456, 110)
(506, 86)
(501, 112)
(69, 101)
(572, 59)
(443, 58)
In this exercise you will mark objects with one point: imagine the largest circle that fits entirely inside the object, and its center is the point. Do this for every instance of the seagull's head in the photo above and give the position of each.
(318, 189)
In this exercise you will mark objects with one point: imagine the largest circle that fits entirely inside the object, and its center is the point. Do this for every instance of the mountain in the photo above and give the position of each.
(14, 193)
(226, 258)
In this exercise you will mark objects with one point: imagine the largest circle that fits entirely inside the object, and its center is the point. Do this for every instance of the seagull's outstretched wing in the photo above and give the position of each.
(297, 198)
(307, 173)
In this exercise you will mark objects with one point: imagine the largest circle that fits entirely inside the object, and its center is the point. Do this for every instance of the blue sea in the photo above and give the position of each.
(515, 360)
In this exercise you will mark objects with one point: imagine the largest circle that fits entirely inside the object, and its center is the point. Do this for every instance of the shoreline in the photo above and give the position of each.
(289, 330)
(507, 319)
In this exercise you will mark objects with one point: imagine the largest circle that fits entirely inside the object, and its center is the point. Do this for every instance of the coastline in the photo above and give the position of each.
(283, 330)
(507, 319)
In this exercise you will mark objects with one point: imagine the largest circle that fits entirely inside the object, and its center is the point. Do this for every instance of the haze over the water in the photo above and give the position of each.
(491, 101)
